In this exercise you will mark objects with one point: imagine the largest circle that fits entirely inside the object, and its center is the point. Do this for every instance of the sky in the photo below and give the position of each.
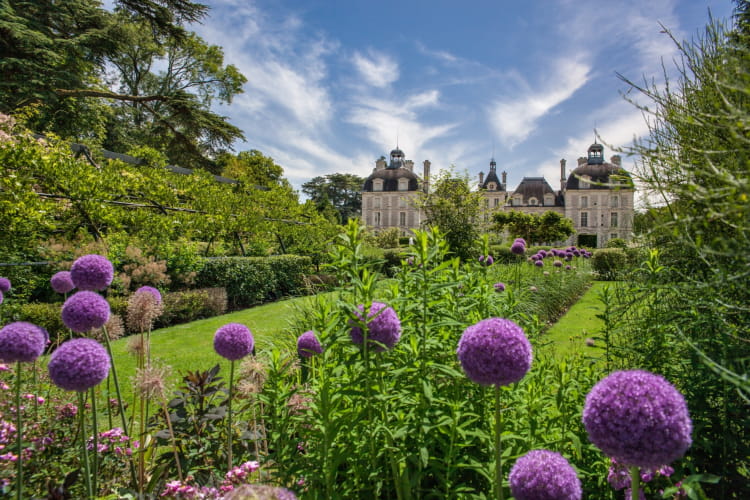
(333, 85)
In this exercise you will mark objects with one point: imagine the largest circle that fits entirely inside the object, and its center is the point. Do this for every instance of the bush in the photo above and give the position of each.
(617, 243)
(393, 257)
(254, 280)
(609, 263)
(503, 255)
(187, 306)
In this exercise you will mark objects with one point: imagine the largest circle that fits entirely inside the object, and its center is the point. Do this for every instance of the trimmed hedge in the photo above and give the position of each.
(610, 263)
(254, 280)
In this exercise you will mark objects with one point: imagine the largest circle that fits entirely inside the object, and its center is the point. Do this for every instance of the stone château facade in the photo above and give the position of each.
(597, 196)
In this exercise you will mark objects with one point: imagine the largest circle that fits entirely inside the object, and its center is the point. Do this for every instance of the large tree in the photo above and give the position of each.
(78, 70)
(454, 208)
(549, 227)
(341, 191)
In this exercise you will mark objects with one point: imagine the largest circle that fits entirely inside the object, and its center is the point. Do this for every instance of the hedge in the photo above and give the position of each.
(254, 280)
(610, 263)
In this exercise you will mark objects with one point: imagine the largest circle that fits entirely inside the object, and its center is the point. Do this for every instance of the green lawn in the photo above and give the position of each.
(190, 346)
(569, 334)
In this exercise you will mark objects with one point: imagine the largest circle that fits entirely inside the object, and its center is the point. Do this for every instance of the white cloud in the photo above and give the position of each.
(377, 69)
(514, 119)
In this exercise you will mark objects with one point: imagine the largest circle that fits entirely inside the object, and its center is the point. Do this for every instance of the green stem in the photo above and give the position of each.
(635, 482)
(84, 450)
(229, 416)
(96, 440)
(119, 399)
(498, 446)
(19, 435)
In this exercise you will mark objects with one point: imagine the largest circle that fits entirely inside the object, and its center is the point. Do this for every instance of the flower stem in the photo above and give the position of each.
(229, 416)
(84, 450)
(498, 445)
(635, 482)
(19, 435)
(96, 440)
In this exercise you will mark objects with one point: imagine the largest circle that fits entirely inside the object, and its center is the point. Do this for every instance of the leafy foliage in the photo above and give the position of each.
(343, 192)
(548, 227)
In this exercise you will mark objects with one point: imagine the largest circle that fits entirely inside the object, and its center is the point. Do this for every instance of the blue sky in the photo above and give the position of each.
(332, 84)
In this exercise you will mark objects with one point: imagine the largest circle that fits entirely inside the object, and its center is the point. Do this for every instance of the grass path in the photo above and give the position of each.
(569, 334)
(190, 346)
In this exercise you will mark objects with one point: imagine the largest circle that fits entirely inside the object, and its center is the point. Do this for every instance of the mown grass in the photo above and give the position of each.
(568, 335)
(190, 346)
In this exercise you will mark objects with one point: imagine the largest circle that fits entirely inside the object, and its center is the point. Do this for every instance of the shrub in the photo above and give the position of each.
(609, 263)
(393, 257)
(503, 255)
(183, 307)
(254, 280)
(45, 315)
(617, 243)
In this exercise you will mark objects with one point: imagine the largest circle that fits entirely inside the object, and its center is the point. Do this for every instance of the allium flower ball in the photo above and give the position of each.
(539, 263)
(518, 248)
(61, 282)
(557, 263)
(383, 326)
(22, 341)
(92, 272)
(494, 351)
(520, 240)
(78, 365)
(233, 341)
(499, 287)
(489, 260)
(153, 291)
(4, 285)
(638, 418)
(84, 311)
(544, 475)
(1, 297)
(308, 345)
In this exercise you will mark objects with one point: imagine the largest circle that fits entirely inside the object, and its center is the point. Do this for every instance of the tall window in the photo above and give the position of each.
(584, 219)
(614, 201)
(613, 219)
(496, 202)
(402, 218)
(584, 202)
(402, 202)
(377, 185)
(377, 219)
(377, 202)
(403, 184)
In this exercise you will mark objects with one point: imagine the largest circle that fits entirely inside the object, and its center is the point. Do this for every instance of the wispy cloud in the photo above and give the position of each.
(515, 118)
(375, 68)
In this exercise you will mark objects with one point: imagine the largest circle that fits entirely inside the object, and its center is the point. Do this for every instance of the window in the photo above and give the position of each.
(584, 219)
(496, 202)
(613, 219)
(584, 202)
(377, 219)
(584, 182)
(533, 201)
(377, 185)
(377, 202)
(613, 236)
(549, 200)
(402, 218)
(615, 201)
(403, 184)
(491, 186)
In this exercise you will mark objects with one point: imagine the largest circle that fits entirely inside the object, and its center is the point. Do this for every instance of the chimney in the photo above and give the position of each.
(426, 176)
(409, 165)
(562, 174)
(582, 161)
(616, 160)
(481, 178)
(505, 181)
(380, 164)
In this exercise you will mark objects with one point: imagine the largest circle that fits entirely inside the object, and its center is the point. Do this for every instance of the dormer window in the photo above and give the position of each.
(377, 184)
(533, 201)
(584, 182)
(549, 200)
(403, 184)
(491, 186)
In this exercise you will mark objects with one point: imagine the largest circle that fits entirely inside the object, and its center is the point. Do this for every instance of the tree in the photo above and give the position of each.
(342, 191)
(252, 168)
(549, 227)
(454, 209)
(56, 61)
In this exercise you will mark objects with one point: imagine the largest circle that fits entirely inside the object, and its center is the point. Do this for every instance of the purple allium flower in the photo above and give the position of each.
(233, 341)
(539, 263)
(481, 259)
(520, 240)
(638, 418)
(568, 268)
(542, 253)
(153, 291)
(61, 282)
(494, 351)
(544, 475)
(383, 327)
(1, 297)
(489, 260)
(78, 364)
(557, 263)
(518, 248)
(22, 341)
(4, 285)
(308, 345)
(92, 272)
(499, 287)
(85, 310)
